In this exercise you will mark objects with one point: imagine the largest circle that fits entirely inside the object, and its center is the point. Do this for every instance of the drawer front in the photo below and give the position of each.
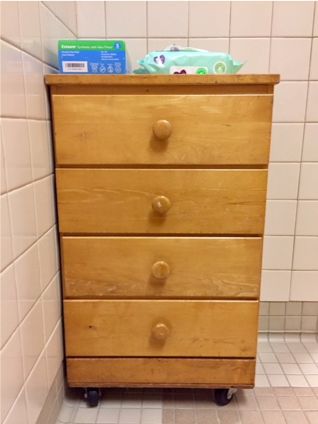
(172, 328)
(108, 267)
(161, 201)
(101, 129)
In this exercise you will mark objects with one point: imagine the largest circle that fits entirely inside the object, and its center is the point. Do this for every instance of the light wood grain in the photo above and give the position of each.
(160, 372)
(109, 267)
(161, 79)
(196, 328)
(101, 130)
(202, 201)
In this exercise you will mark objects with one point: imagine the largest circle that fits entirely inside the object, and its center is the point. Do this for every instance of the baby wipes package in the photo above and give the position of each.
(187, 60)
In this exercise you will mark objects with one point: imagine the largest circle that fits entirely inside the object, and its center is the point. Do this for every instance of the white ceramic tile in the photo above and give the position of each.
(40, 149)
(137, 50)
(292, 18)
(280, 217)
(13, 102)
(253, 51)
(23, 225)
(290, 58)
(210, 44)
(34, 87)
(30, 27)
(286, 142)
(292, 323)
(48, 70)
(309, 323)
(275, 285)
(72, 16)
(65, 414)
(278, 346)
(44, 204)
(312, 109)
(61, 11)
(304, 286)
(18, 413)
(285, 358)
(303, 358)
(276, 323)
(32, 337)
(129, 416)
(291, 369)
(16, 147)
(290, 102)
(307, 218)
(306, 254)
(264, 347)
(9, 305)
(296, 347)
(260, 369)
(54, 353)
(11, 373)
(264, 308)
(151, 416)
(51, 307)
(155, 44)
(277, 253)
(283, 181)
(315, 31)
(85, 416)
(90, 19)
(297, 381)
(313, 381)
(310, 148)
(311, 308)
(50, 5)
(294, 308)
(108, 416)
(251, 19)
(162, 21)
(36, 389)
(314, 60)
(267, 358)
(272, 369)
(277, 308)
(27, 270)
(48, 257)
(3, 173)
(261, 381)
(209, 19)
(278, 381)
(125, 19)
(10, 28)
(6, 235)
(308, 187)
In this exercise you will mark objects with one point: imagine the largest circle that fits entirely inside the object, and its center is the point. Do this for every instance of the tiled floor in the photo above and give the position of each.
(286, 392)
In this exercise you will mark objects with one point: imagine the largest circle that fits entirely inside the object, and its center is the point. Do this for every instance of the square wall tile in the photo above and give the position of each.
(251, 19)
(314, 60)
(293, 323)
(6, 235)
(277, 308)
(292, 18)
(264, 308)
(286, 142)
(294, 308)
(44, 204)
(304, 286)
(315, 31)
(23, 225)
(54, 353)
(90, 19)
(209, 19)
(10, 26)
(287, 54)
(280, 217)
(32, 337)
(310, 308)
(72, 17)
(312, 109)
(27, 271)
(12, 82)
(307, 218)
(308, 187)
(253, 51)
(306, 254)
(16, 148)
(48, 257)
(211, 44)
(18, 412)
(283, 179)
(275, 286)
(29, 14)
(290, 102)
(126, 19)
(137, 50)
(37, 389)
(162, 21)
(34, 87)
(11, 373)
(309, 324)
(41, 151)
(310, 147)
(162, 43)
(9, 305)
(61, 11)
(277, 253)
(51, 304)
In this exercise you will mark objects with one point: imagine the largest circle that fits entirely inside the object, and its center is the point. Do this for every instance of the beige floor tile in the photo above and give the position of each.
(278, 381)
(285, 358)
(295, 417)
(288, 403)
(312, 380)
(283, 391)
(106, 416)
(85, 416)
(151, 416)
(205, 416)
(297, 380)
(131, 400)
(168, 416)
(129, 416)
(183, 401)
(251, 417)
(184, 416)
(309, 403)
(246, 402)
(167, 400)
(267, 403)
(263, 391)
(229, 417)
(303, 391)
(312, 417)
(273, 417)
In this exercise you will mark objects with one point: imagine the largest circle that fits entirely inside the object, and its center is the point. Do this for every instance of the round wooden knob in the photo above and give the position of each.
(161, 204)
(162, 129)
(160, 270)
(160, 332)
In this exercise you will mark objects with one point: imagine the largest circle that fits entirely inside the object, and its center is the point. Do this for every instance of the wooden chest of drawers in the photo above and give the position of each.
(161, 189)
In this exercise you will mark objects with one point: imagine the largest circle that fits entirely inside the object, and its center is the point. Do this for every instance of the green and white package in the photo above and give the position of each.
(187, 60)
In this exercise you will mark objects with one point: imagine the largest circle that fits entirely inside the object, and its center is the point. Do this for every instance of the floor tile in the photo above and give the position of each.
(303, 358)
(250, 417)
(296, 347)
(110, 415)
(264, 347)
(309, 403)
(285, 358)
(295, 417)
(291, 369)
(266, 403)
(131, 400)
(267, 358)
(297, 381)
(261, 381)
(86, 416)
(280, 348)
(152, 401)
(246, 402)
(288, 403)
(283, 391)
(129, 416)
(278, 381)
(184, 401)
(184, 416)
(263, 391)
(229, 417)
(312, 417)
(273, 417)
(151, 416)
(309, 368)
(206, 416)
(168, 416)
(312, 380)
(271, 369)
(303, 391)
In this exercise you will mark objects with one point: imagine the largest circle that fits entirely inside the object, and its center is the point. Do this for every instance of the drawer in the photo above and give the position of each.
(105, 201)
(153, 267)
(204, 129)
(171, 328)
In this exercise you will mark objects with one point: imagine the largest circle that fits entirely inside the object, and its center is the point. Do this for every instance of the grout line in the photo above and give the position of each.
(58, 18)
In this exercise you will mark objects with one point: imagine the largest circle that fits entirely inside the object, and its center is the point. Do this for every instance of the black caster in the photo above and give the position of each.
(92, 395)
(223, 396)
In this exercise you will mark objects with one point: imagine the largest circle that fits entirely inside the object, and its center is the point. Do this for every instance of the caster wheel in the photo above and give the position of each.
(92, 395)
(223, 396)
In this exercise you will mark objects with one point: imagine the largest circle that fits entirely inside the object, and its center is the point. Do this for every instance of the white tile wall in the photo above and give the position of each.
(209, 19)
(293, 19)
(168, 19)
(251, 19)
(255, 51)
(91, 20)
(310, 149)
(126, 19)
(304, 286)
(286, 144)
(306, 253)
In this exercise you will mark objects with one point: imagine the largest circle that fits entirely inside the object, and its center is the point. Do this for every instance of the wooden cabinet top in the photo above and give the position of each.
(163, 80)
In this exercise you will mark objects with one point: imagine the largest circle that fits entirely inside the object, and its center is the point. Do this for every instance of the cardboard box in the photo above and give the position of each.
(93, 57)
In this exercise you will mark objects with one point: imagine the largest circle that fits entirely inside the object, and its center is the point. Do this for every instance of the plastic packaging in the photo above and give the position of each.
(187, 60)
